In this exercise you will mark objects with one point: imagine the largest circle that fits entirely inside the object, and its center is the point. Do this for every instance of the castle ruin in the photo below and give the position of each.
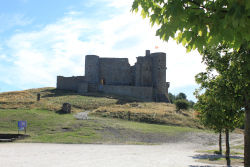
(146, 80)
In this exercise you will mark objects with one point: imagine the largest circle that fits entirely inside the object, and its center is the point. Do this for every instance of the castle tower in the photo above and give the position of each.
(159, 72)
(92, 69)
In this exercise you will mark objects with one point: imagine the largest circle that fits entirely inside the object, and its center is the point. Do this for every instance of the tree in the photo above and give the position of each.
(199, 23)
(192, 103)
(182, 104)
(217, 117)
(171, 97)
(181, 96)
(231, 86)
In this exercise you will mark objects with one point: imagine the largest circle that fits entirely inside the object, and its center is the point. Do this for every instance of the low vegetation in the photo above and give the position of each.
(156, 113)
(105, 105)
(114, 118)
(52, 100)
(45, 126)
(182, 104)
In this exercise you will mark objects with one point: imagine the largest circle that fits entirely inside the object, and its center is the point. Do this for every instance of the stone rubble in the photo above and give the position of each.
(82, 115)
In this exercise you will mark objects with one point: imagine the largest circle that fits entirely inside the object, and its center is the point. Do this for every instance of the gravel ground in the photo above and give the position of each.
(171, 154)
(35, 154)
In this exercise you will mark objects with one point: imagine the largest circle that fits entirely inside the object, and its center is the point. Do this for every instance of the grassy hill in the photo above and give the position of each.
(114, 118)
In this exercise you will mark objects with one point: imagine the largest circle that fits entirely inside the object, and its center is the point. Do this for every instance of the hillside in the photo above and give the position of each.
(52, 99)
(104, 105)
(113, 118)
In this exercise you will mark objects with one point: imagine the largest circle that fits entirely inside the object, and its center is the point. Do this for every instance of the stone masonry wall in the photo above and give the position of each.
(143, 93)
(143, 71)
(69, 83)
(83, 88)
(115, 71)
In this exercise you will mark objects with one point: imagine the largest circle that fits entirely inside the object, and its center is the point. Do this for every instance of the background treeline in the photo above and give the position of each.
(181, 101)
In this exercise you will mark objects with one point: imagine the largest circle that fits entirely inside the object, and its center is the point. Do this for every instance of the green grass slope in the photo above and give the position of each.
(114, 119)
(49, 127)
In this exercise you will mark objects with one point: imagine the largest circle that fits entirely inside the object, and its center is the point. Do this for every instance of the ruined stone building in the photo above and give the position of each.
(145, 80)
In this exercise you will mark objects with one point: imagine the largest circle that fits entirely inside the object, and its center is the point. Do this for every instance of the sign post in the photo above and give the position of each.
(22, 126)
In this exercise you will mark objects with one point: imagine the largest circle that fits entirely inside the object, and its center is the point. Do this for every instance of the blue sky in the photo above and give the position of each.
(40, 39)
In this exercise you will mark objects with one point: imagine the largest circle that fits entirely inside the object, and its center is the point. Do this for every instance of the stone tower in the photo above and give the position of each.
(159, 76)
(92, 69)
(159, 72)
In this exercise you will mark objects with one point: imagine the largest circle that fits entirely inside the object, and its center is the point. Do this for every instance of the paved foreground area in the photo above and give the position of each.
(37, 154)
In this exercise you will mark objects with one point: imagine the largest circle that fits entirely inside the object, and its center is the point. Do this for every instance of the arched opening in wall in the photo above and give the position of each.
(103, 81)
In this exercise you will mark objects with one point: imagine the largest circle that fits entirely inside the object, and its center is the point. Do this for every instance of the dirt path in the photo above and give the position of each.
(35, 154)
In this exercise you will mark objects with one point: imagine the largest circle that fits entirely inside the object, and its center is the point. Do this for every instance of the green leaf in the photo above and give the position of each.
(248, 5)
(143, 14)
(200, 33)
(135, 6)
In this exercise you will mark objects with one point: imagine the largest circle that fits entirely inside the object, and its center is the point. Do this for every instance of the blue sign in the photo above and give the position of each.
(22, 124)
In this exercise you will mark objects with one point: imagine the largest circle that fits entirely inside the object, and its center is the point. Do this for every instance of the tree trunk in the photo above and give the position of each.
(220, 147)
(247, 133)
(227, 148)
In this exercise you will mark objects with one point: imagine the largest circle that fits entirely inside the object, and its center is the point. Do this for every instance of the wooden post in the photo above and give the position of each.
(38, 96)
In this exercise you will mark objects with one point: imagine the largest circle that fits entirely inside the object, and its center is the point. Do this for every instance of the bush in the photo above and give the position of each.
(182, 104)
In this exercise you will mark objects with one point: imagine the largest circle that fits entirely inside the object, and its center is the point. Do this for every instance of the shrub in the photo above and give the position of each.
(182, 104)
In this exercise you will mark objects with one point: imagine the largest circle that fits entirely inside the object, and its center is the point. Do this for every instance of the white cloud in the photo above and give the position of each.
(119, 4)
(110, 3)
(40, 56)
(73, 13)
(9, 20)
(89, 3)
(3, 57)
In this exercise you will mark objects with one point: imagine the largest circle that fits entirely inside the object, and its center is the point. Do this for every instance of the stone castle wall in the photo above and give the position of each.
(83, 88)
(143, 93)
(115, 71)
(69, 83)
